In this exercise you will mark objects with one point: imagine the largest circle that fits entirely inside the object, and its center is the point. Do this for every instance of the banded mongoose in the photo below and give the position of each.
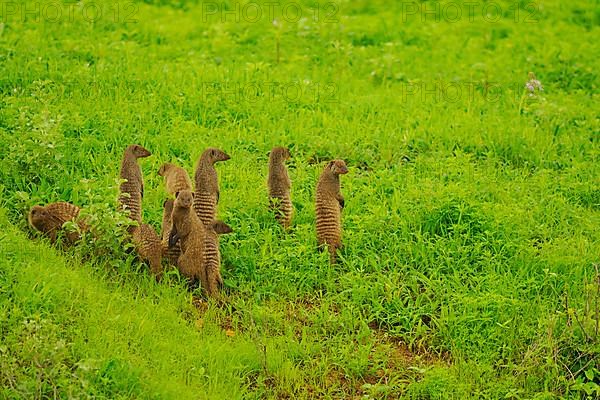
(176, 178)
(212, 257)
(329, 204)
(280, 185)
(149, 247)
(189, 230)
(132, 190)
(207, 184)
(49, 220)
(171, 253)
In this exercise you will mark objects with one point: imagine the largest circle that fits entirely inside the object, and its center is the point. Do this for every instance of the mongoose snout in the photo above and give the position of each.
(139, 151)
(185, 199)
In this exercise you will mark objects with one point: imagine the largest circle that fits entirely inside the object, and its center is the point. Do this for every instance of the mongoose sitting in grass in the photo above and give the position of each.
(212, 257)
(50, 219)
(176, 178)
(207, 185)
(189, 230)
(132, 190)
(149, 247)
(329, 205)
(171, 253)
(279, 186)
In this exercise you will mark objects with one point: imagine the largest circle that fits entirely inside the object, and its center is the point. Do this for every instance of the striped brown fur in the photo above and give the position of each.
(132, 189)
(176, 178)
(171, 253)
(189, 230)
(207, 184)
(279, 186)
(212, 257)
(149, 247)
(328, 206)
(49, 220)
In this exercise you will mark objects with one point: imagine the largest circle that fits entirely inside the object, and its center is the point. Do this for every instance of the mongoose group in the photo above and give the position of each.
(190, 231)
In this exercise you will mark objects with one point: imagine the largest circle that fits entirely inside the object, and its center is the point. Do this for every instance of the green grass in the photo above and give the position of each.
(471, 227)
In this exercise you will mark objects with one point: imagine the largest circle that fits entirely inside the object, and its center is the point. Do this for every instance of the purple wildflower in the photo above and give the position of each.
(533, 84)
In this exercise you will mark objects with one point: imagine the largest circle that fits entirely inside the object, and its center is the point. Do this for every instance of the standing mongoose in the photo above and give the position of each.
(279, 186)
(171, 253)
(132, 190)
(329, 204)
(50, 219)
(189, 230)
(212, 257)
(149, 247)
(176, 178)
(207, 184)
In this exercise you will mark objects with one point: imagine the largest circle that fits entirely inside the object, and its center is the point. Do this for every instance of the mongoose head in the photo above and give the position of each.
(280, 154)
(338, 167)
(138, 151)
(164, 168)
(185, 199)
(37, 215)
(221, 227)
(212, 155)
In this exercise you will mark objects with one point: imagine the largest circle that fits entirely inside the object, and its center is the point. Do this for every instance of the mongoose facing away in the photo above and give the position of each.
(212, 257)
(189, 230)
(207, 184)
(280, 185)
(171, 253)
(176, 178)
(132, 190)
(149, 247)
(329, 204)
(50, 218)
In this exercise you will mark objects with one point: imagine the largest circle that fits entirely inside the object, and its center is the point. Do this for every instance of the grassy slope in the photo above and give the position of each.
(67, 333)
(466, 220)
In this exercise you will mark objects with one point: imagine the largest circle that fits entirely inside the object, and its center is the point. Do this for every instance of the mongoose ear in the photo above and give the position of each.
(177, 194)
(221, 227)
